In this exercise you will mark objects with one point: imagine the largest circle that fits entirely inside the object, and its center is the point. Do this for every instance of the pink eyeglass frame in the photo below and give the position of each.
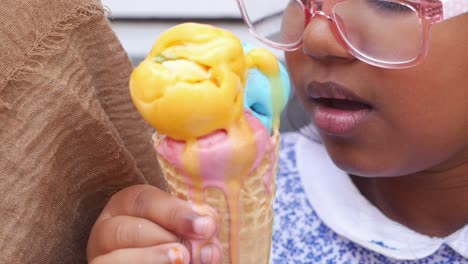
(429, 12)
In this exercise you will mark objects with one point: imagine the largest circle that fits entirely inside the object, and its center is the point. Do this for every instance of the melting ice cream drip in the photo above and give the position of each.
(222, 160)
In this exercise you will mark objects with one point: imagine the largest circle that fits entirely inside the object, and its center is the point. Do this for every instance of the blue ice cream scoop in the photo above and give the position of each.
(261, 97)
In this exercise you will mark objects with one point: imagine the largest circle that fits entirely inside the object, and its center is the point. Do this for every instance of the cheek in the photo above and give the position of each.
(421, 124)
(424, 110)
(430, 101)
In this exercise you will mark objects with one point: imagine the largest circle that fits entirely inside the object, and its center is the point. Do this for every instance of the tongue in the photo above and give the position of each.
(347, 105)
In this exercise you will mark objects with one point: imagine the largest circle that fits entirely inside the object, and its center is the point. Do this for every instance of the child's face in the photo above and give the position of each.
(415, 119)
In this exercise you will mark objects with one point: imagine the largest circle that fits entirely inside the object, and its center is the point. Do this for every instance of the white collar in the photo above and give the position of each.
(341, 206)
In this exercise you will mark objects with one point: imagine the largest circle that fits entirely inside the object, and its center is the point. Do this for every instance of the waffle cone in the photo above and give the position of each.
(256, 211)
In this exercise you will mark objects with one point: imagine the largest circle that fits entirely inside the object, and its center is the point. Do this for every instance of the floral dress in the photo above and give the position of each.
(364, 235)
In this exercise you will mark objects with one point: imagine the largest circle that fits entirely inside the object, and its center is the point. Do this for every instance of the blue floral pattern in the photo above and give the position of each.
(300, 237)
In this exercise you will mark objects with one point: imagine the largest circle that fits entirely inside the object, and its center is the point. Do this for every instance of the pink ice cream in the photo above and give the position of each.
(215, 152)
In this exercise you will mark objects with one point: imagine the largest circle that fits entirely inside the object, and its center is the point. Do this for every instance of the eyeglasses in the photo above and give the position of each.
(383, 33)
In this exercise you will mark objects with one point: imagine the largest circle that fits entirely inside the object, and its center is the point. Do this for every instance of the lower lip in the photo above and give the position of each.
(339, 122)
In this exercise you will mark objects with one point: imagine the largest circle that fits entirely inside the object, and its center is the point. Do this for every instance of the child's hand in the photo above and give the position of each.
(142, 224)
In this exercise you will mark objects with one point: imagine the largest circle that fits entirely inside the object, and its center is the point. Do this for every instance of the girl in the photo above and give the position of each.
(381, 177)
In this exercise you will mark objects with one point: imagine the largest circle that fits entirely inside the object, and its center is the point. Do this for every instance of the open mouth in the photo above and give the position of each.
(341, 104)
(334, 96)
(338, 110)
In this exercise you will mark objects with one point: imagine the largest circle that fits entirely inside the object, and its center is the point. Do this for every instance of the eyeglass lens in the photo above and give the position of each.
(387, 31)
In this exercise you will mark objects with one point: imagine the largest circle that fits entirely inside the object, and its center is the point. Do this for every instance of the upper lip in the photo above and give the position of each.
(332, 90)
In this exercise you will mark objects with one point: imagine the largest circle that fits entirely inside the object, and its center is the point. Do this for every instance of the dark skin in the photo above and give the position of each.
(410, 158)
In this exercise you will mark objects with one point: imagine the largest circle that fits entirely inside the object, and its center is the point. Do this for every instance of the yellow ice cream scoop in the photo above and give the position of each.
(192, 81)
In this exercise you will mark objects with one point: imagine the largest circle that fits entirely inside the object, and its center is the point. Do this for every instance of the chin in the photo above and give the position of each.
(359, 170)
(365, 165)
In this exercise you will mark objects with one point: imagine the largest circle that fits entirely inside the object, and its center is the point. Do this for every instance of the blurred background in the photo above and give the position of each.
(138, 23)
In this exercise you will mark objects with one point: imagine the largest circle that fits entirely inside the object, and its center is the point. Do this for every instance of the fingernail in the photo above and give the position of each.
(206, 254)
(203, 226)
(175, 255)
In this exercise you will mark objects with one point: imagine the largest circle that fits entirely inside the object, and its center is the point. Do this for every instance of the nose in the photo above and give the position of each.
(321, 43)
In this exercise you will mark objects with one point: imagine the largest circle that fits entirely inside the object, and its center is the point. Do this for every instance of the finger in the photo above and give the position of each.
(126, 232)
(209, 254)
(164, 254)
(168, 211)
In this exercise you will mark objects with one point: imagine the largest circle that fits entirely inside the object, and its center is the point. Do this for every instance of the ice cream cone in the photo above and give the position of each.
(216, 105)
(252, 243)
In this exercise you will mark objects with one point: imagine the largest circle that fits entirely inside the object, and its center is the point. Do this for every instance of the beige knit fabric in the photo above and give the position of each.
(69, 134)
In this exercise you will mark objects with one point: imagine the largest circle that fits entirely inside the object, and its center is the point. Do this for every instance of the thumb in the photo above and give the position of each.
(170, 212)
